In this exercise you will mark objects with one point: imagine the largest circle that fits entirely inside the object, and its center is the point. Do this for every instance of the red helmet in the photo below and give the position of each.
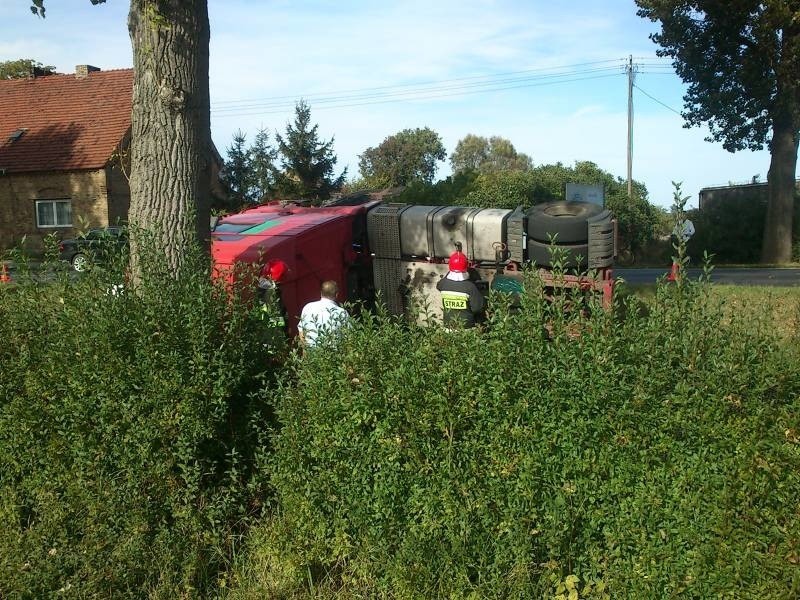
(458, 262)
(275, 269)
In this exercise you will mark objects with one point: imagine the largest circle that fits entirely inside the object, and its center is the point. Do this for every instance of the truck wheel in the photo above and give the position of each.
(539, 252)
(564, 220)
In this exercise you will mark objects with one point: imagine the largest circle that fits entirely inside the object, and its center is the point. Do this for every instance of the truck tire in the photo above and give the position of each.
(539, 252)
(566, 221)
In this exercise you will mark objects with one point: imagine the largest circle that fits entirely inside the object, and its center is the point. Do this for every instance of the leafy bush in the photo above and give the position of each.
(132, 431)
(655, 457)
(503, 189)
(450, 191)
(733, 230)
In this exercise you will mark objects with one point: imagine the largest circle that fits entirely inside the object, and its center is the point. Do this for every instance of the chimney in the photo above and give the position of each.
(82, 71)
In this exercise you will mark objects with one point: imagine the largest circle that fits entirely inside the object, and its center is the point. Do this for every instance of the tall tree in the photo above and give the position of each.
(171, 126)
(405, 157)
(23, 67)
(249, 174)
(741, 60)
(262, 167)
(236, 174)
(307, 162)
(477, 153)
(170, 120)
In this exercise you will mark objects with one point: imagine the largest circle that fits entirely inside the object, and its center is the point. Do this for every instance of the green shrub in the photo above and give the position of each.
(503, 189)
(450, 191)
(655, 457)
(733, 229)
(133, 431)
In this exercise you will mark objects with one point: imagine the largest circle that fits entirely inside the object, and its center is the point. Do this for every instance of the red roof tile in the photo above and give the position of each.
(69, 123)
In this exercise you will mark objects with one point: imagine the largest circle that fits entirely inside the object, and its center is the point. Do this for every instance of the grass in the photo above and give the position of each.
(783, 303)
(749, 301)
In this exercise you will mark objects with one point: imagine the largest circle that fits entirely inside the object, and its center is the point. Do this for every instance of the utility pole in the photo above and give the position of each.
(629, 69)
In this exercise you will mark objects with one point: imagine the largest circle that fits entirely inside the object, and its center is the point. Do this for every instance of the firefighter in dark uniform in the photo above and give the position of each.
(269, 296)
(462, 301)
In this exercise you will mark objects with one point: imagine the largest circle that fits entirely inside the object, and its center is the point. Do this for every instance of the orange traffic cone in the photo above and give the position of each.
(4, 276)
(673, 272)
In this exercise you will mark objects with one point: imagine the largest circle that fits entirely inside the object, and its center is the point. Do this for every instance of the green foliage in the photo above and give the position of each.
(503, 189)
(733, 229)
(133, 430)
(262, 168)
(450, 191)
(23, 67)
(249, 173)
(740, 61)
(403, 158)
(307, 162)
(37, 6)
(236, 174)
(477, 153)
(655, 457)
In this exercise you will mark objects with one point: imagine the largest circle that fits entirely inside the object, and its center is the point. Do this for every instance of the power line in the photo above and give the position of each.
(288, 107)
(435, 89)
(422, 84)
(413, 92)
(657, 100)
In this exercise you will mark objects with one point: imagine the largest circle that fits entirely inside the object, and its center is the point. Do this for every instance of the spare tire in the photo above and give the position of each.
(540, 253)
(566, 221)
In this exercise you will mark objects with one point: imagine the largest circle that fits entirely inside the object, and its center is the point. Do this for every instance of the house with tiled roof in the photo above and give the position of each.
(63, 149)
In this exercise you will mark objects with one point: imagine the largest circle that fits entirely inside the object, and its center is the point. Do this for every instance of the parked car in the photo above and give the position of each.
(80, 252)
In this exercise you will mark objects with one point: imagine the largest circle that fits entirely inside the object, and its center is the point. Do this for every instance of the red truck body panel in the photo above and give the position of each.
(315, 243)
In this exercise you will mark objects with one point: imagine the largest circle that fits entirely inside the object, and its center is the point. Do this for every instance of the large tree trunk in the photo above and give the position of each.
(171, 131)
(777, 246)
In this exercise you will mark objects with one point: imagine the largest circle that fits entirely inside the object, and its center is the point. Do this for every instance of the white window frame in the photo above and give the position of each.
(53, 202)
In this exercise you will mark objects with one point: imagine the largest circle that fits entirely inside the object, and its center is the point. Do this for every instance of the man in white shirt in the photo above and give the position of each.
(323, 317)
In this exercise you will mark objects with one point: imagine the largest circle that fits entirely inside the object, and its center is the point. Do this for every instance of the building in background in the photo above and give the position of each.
(756, 191)
(64, 142)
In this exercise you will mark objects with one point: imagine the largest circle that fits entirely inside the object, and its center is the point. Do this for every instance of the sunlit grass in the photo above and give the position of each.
(769, 306)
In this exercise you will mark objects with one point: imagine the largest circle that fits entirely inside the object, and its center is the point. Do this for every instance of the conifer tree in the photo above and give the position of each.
(307, 162)
(262, 168)
(236, 175)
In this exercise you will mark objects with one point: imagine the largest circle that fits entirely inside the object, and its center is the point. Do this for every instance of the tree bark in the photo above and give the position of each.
(171, 130)
(777, 246)
(785, 114)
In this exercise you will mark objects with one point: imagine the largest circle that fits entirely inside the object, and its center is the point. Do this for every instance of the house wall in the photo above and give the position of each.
(99, 198)
(119, 195)
(758, 192)
(710, 196)
(87, 191)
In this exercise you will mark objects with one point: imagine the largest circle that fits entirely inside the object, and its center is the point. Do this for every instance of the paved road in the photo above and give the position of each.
(732, 276)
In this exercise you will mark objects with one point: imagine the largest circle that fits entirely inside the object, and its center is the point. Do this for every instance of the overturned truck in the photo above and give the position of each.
(400, 251)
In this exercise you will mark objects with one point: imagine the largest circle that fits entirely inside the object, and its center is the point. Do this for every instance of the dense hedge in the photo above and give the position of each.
(132, 432)
(733, 230)
(652, 458)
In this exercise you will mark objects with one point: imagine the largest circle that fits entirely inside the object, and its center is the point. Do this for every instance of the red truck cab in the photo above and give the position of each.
(315, 244)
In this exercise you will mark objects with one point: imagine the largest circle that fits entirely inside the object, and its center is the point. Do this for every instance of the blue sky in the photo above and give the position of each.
(550, 76)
